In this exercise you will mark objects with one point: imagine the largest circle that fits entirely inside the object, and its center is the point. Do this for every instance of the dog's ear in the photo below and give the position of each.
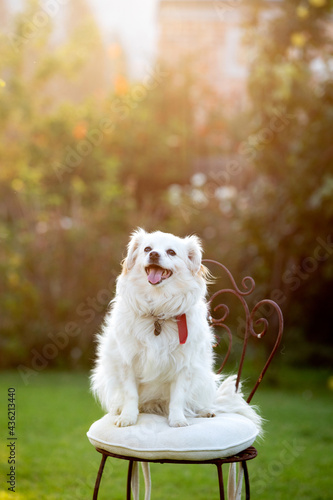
(132, 249)
(194, 252)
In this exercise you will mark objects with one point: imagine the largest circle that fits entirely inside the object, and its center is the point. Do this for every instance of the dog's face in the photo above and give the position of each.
(163, 259)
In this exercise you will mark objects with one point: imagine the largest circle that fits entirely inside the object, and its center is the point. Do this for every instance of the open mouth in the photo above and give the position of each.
(157, 274)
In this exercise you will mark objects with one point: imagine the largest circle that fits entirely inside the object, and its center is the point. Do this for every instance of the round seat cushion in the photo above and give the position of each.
(152, 438)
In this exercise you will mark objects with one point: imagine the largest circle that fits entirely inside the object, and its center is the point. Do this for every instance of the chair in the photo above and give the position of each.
(226, 439)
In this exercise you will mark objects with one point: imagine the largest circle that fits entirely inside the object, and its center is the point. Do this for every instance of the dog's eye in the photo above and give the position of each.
(147, 249)
(171, 252)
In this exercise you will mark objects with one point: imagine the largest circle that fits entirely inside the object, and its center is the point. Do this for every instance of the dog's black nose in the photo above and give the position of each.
(154, 256)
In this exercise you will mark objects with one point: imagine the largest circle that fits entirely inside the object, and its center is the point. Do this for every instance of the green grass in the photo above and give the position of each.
(55, 461)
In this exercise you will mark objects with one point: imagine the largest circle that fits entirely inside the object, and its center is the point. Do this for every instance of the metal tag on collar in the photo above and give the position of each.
(158, 328)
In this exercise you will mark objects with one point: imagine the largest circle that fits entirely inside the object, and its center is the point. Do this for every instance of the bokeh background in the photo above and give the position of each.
(206, 117)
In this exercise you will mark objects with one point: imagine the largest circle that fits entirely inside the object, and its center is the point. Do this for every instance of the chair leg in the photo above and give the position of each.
(247, 481)
(220, 476)
(129, 479)
(99, 476)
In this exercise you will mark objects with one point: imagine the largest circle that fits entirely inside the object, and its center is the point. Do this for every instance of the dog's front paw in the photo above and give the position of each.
(124, 420)
(178, 422)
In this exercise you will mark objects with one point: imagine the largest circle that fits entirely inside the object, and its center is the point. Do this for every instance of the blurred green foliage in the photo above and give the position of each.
(80, 170)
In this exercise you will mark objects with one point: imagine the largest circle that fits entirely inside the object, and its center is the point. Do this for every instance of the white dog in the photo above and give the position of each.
(155, 353)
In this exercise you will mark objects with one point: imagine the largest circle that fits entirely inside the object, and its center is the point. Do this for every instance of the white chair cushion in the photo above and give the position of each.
(152, 438)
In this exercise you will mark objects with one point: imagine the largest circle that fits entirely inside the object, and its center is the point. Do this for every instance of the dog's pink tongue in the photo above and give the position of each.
(155, 275)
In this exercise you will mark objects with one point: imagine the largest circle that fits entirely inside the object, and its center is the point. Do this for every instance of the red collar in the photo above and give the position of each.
(182, 328)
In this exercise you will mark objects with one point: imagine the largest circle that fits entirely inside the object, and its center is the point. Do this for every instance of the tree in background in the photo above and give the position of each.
(44, 219)
(290, 209)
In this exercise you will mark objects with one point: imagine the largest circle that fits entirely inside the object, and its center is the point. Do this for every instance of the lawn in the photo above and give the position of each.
(55, 461)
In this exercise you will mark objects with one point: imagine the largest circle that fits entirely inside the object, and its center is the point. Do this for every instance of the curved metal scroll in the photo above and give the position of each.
(247, 287)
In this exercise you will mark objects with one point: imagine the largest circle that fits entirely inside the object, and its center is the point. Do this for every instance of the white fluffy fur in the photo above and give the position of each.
(137, 371)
